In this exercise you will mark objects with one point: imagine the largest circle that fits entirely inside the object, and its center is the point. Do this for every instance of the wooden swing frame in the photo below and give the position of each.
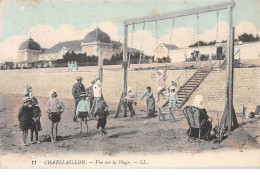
(228, 114)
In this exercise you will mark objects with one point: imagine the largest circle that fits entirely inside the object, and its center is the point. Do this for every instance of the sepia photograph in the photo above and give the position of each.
(129, 84)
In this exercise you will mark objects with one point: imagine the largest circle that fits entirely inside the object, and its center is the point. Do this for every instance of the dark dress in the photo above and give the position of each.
(36, 113)
(150, 104)
(102, 114)
(25, 118)
(54, 116)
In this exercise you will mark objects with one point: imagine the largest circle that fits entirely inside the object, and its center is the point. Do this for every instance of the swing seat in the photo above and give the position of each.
(199, 127)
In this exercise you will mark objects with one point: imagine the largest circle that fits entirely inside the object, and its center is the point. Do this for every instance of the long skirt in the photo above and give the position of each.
(150, 107)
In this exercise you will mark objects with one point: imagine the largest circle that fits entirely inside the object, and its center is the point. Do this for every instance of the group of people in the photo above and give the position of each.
(89, 103)
(72, 66)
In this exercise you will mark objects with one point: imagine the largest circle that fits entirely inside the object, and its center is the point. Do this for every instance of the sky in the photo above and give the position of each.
(51, 21)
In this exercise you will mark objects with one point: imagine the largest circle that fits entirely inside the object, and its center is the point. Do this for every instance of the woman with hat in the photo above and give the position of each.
(83, 110)
(54, 108)
(150, 102)
(77, 89)
(25, 118)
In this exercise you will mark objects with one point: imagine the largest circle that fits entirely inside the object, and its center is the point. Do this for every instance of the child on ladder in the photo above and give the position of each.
(173, 98)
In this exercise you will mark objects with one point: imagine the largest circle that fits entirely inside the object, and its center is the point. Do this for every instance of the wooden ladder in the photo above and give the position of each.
(189, 87)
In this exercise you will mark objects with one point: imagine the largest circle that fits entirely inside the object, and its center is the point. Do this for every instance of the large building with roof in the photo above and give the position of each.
(29, 50)
(96, 43)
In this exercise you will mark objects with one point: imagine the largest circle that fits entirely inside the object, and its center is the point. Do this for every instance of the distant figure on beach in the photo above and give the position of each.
(54, 108)
(27, 91)
(36, 125)
(69, 66)
(77, 89)
(129, 100)
(150, 102)
(76, 65)
(102, 113)
(25, 119)
(160, 82)
(83, 110)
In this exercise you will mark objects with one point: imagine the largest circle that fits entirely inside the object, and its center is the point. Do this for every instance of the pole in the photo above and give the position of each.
(125, 66)
(229, 119)
(100, 64)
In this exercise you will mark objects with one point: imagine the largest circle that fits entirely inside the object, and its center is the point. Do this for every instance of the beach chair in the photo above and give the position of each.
(199, 126)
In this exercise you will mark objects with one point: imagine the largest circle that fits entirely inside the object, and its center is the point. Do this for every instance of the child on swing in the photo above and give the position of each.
(161, 87)
(36, 124)
(25, 119)
(83, 110)
(102, 113)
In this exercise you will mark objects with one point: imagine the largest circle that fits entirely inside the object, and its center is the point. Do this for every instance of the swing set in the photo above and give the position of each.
(228, 118)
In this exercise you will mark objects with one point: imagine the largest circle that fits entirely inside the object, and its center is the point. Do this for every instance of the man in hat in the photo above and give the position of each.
(77, 89)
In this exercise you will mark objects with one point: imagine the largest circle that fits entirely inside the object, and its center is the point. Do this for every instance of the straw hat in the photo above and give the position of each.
(174, 83)
(84, 95)
(79, 78)
(51, 92)
(34, 100)
(198, 100)
(25, 99)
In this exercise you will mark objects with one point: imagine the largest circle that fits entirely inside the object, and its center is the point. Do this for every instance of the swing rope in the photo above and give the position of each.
(142, 42)
(141, 50)
(217, 26)
(130, 51)
(170, 39)
(198, 25)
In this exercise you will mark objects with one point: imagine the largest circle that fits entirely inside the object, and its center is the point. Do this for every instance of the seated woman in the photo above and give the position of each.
(206, 120)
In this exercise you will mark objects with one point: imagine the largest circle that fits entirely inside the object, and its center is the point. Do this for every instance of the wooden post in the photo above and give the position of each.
(229, 119)
(125, 65)
(100, 64)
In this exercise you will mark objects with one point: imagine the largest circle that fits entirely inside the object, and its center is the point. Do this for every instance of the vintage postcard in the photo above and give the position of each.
(129, 84)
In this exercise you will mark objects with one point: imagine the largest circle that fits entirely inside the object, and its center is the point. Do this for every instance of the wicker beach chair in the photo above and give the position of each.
(199, 126)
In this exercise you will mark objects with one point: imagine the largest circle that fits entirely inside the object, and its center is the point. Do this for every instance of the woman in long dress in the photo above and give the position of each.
(150, 102)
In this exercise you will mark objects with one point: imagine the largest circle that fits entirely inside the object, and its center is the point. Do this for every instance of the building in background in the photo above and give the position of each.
(29, 50)
(94, 42)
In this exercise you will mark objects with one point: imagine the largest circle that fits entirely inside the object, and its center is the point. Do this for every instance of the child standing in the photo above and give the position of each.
(173, 98)
(54, 108)
(83, 110)
(36, 125)
(102, 113)
(25, 118)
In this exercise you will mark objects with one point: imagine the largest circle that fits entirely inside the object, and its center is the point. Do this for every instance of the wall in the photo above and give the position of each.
(15, 80)
(246, 89)
(246, 84)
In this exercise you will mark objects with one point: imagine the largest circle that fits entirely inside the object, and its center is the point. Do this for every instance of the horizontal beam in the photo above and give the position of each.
(181, 13)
